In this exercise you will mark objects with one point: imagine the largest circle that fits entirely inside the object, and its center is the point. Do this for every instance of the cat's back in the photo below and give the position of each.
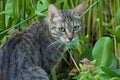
(30, 34)
(19, 50)
(7, 56)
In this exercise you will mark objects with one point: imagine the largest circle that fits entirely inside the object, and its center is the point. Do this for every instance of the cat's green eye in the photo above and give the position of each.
(76, 28)
(61, 29)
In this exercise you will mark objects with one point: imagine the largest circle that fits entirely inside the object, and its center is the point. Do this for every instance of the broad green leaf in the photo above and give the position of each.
(102, 51)
(42, 5)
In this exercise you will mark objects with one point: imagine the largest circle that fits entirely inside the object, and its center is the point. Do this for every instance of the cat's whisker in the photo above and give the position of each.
(53, 43)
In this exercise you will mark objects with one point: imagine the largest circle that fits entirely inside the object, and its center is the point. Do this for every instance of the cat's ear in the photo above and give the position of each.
(53, 11)
(77, 11)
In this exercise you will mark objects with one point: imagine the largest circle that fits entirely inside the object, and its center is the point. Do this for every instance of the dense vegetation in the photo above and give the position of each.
(97, 51)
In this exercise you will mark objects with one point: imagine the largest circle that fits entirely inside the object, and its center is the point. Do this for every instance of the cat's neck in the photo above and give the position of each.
(40, 31)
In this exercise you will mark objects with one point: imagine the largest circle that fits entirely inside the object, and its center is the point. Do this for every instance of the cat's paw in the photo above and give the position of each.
(39, 74)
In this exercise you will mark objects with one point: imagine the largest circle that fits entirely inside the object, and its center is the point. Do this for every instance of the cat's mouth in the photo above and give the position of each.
(69, 42)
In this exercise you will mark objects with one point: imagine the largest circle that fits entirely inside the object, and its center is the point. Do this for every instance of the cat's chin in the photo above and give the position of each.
(68, 42)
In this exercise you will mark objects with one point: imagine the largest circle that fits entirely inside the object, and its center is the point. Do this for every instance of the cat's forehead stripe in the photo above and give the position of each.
(65, 12)
(66, 15)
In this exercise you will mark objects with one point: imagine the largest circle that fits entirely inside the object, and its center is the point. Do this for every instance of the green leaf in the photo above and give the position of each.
(118, 33)
(14, 26)
(59, 2)
(114, 62)
(102, 51)
(24, 25)
(5, 38)
(54, 76)
(110, 72)
(115, 78)
(112, 31)
(42, 5)
(87, 54)
(66, 4)
(39, 13)
(8, 11)
(84, 76)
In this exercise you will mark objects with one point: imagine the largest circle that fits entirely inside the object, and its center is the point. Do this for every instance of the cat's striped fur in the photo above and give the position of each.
(32, 53)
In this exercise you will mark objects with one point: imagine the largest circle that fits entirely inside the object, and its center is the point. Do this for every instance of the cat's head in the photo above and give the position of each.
(65, 25)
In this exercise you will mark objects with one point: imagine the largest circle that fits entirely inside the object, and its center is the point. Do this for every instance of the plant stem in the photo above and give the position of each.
(17, 24)
(89, 8)
(70, 53)
(100, 31)
(89, 22)
(3, 16)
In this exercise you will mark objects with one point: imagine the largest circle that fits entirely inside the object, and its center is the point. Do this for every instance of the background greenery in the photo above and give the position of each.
(99, 40)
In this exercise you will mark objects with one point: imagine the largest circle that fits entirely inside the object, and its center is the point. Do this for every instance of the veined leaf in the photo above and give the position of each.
(42, 5)
(102, 52)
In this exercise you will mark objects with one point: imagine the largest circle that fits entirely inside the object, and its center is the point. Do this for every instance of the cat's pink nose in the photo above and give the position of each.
(70, 36)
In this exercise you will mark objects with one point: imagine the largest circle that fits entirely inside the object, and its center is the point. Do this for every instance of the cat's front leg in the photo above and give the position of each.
(34, 73)
(39, 74)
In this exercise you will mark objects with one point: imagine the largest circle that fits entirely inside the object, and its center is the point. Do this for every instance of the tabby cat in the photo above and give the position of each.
(32, 54)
